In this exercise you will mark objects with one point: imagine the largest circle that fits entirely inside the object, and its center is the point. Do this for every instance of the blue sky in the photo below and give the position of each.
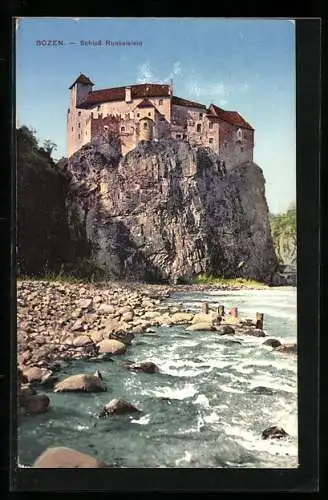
(243, 65)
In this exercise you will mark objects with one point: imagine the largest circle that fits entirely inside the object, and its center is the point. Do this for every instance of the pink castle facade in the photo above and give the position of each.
(151, 112)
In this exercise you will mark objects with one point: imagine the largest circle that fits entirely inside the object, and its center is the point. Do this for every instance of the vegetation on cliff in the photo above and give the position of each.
(43, 238)
(283, 229)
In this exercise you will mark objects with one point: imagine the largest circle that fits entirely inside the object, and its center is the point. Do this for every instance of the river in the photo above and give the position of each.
(200, 411)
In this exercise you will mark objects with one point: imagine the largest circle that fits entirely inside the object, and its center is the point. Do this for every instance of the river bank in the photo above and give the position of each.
(213, 379)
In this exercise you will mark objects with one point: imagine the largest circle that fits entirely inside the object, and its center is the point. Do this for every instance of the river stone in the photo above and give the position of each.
(35, 404)
(117, 407)
(287, 348)
(180, 318)
(85, 304)
(199, 327)
(274, 432)
(106, 309)
(255, 332)
(78, 325)
(265, 391)
(146, 367)
(128, 316)
(21, 378)
(138, 329)
(24, 393)
(82, 340)
(33, 374)
(151, 315)
(96, 336)
(82, 382)
(225, 330)
(111, 346)
(203, 318)
(62, 457)
(125, 337)
(272, 342)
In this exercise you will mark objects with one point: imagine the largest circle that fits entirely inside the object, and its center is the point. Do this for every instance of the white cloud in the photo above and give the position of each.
(198, 88)
(145, 74)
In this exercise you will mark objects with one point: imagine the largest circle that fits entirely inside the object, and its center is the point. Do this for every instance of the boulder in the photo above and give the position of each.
(265, 391)
(85, 304)
(82, 340)
(287, 348)
(179, 318)
(274, 432)
(117, 407)
(111, 346)
(96, 336)
(255, 332)
(204, 318)
(62, 457)
(225, 330)
(82, 382)
(106, 309)
(24, 392)
(199, 327)
(21, 378)
(146, 367)
(33, 374)
(34, 404)
(272, 342)
(123, 336)
(232, 320)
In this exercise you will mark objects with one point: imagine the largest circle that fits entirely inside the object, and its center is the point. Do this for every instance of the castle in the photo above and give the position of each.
(150, 111)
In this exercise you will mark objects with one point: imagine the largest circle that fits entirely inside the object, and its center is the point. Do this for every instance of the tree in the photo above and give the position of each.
(49, 146)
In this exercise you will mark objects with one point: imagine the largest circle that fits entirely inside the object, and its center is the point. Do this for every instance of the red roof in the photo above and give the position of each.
(82, 79)
(184, 102)
(118, 93)
(231, 117)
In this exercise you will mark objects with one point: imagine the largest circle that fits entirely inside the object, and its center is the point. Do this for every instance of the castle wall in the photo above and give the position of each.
(234, 151)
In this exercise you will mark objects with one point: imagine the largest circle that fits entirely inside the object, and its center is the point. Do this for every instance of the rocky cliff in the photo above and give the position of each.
(168, 211)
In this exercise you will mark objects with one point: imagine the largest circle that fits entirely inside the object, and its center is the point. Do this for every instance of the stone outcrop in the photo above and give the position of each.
(167, 211)
(146, 367)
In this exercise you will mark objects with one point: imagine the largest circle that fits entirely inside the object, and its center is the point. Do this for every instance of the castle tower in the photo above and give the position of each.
(146, 129)
(80, 89)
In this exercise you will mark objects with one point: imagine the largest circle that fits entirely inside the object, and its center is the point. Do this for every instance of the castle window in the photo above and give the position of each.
(160, 102)
(162, 119)
(127, 116)
(185, 136)
(98, 107)
(138, 114)
(178, 136)
(79, 113)
(200, 116)
(145, 125)
(210, 125)
(68, 111)
(79, 136)
(79, 125)
(239, 135)
(241, 149)
(72, 129)
(122, 129)
(199, 127)
(210, 140)
(149, 114)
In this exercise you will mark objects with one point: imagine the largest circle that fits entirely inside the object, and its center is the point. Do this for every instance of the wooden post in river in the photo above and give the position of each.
(221, 311)
(234, 312)
(205, 308)
(259, 321)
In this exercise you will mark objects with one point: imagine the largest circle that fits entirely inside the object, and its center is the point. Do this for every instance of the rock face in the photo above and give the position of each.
(61, 457)
(168, 211)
